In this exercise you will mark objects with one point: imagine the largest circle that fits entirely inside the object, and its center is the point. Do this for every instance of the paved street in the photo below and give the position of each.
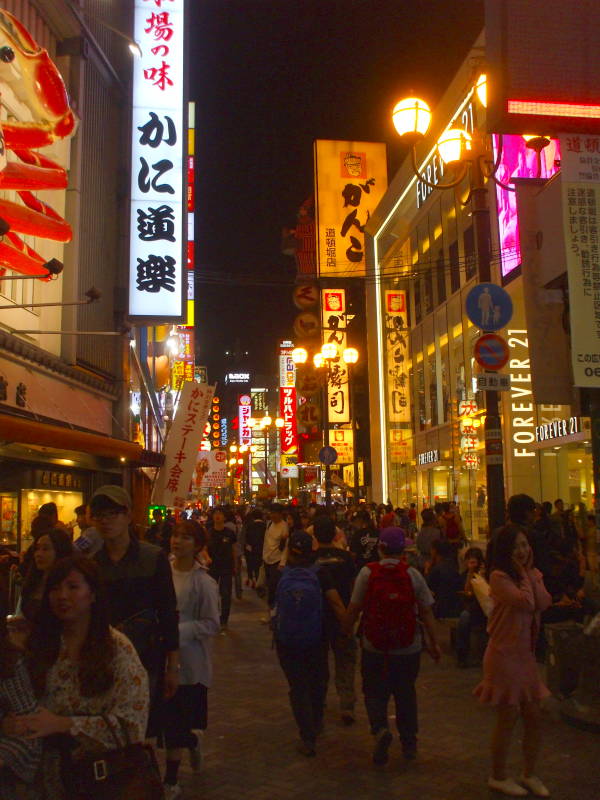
(249, 745)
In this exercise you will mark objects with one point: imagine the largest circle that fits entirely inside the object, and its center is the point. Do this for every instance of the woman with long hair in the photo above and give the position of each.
(511, 681)
(85, 673)
(50, 546)
(19, 759)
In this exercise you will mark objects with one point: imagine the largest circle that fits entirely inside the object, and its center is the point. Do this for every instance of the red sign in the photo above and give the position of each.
(491, 351)
(289, 433)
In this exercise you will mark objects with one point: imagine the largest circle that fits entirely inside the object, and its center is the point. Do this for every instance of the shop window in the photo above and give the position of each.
(440, 269)
(420, 395)
(433, 389)
(8, 519)
(418, 307)
(470, 256)
(454, 267)
(428, 291)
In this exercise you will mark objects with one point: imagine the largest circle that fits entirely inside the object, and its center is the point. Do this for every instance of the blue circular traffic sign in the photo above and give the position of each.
(489, 307)
(328, 455)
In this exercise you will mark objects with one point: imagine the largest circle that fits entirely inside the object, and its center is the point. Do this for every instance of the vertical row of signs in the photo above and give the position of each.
(334, 325)
(157, 238)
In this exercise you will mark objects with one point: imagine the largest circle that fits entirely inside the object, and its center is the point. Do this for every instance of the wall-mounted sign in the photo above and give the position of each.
(558, 429)
(496, 382)
(333, 302)
(350, 180)
(343, 441)
(396, 356)
(158, 235)
(237, 377)
(428, 458)
(287, 408)
(287, 368)
(306, 296)
(244, 414)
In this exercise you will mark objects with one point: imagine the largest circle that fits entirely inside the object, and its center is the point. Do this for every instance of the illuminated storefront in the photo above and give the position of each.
(427, 431)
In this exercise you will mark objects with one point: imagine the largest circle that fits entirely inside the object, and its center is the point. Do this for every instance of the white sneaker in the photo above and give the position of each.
(171, 791)
(535, 786)
(508, 786)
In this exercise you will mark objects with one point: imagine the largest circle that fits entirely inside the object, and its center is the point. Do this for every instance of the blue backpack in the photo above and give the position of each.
(298, 619)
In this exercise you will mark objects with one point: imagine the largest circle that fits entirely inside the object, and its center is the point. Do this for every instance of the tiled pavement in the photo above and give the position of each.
(250, 742)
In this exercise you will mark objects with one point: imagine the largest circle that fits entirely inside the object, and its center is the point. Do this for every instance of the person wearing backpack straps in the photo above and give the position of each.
(393, 598)
(300, 636)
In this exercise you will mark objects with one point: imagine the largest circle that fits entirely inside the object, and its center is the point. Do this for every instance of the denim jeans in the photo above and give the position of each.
(344, 655)
(386, 676)
(225, 582)
(306, 672)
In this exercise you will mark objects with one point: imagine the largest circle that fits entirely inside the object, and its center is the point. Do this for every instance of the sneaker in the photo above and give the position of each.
(534, 785)
(195, 754)
(508, 786)
(383, 739)
(171, 791)
(348, 718)
(306, 748)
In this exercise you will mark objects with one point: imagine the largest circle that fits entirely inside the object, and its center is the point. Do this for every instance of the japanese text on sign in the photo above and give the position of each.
(157, 245)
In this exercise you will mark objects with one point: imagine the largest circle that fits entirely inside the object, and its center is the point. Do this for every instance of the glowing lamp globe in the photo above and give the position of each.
(299, 355)
(452, 145)
(266, 421)
(329, 351)
(252, 422)
(318, 360)
(411, 118)
(279, 422)
(350, 355)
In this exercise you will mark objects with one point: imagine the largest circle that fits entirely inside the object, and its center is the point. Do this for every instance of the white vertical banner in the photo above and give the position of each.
(158, 239)
(172, 483)
(580, 168)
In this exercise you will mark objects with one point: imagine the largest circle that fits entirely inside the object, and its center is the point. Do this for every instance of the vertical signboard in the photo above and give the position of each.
(350, 180)
(581, 217)
(289, 433)
(396, 355)
(333, 309)
(191, 208)
(158, 239)
(244, 414)
(173, 480)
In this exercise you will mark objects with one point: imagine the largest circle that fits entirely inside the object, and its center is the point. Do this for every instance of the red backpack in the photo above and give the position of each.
(389, 619)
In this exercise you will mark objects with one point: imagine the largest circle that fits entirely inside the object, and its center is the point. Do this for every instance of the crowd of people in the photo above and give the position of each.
(109, 636)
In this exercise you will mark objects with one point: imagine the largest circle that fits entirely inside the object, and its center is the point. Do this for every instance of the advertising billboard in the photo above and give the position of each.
(158, 235)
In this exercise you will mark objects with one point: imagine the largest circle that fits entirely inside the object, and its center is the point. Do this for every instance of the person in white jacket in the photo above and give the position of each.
(198, 606)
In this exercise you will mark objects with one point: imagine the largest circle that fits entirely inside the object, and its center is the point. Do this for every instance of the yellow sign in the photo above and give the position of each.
(333, 308)
(350, 180)
(343, 441)
(396, 355)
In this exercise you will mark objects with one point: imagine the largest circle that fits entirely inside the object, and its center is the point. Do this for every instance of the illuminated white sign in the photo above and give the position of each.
(157, 261)
(237, 377)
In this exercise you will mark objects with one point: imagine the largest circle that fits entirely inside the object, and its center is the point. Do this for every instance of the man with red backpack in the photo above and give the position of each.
(393, 598)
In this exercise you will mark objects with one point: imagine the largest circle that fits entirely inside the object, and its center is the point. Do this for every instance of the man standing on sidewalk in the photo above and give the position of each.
(275, 540)
(221, 543)
(340, 566)
(391, 598)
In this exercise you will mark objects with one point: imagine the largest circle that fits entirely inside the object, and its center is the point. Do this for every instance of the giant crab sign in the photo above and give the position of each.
(36, 82)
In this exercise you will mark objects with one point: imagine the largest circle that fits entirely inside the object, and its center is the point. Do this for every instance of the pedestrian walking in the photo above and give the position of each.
(253, 545)
(511, 681)
(300, 637)
(140, 595)
(221, 542)
(275, 540)
(88, 678)
(198, 606)
(341, 568)
(391, 597)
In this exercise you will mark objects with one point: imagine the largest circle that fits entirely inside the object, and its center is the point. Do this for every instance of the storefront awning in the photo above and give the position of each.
(25, 431)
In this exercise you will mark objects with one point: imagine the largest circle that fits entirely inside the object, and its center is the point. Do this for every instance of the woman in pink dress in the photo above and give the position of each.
(511, 681)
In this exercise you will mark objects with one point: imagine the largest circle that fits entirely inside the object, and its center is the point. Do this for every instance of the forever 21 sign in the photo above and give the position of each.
(557, 429)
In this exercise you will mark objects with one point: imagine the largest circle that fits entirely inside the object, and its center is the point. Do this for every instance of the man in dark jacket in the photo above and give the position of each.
(221, 541)
(140, 594)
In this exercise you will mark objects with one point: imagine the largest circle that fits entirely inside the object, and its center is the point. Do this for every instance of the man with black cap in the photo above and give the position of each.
(140, 593)
(303, 591)
(392, 598)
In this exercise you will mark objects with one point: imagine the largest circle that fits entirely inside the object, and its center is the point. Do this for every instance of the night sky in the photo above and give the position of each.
(269, 77)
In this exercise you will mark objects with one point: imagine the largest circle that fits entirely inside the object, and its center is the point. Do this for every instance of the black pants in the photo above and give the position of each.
(307, 675)
(386, 676)
(272, 573)
(253, 563)
(225, 582)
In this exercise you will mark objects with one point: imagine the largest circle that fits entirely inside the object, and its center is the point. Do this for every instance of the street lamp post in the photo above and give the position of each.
(411, 118)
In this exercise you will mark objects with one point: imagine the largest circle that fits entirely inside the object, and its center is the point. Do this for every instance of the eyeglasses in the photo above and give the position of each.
(111, 514)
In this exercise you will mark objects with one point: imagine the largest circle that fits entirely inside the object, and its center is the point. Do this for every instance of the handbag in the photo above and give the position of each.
(481, 590)
(125, 773)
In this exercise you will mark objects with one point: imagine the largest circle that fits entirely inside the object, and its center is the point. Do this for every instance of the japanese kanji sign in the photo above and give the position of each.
(289, 432)
(183, 442)
(350, 180)
(333, 307)
(581, 220)
(343, 441)
(211, 469)
(396, 355)
(158, 247)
